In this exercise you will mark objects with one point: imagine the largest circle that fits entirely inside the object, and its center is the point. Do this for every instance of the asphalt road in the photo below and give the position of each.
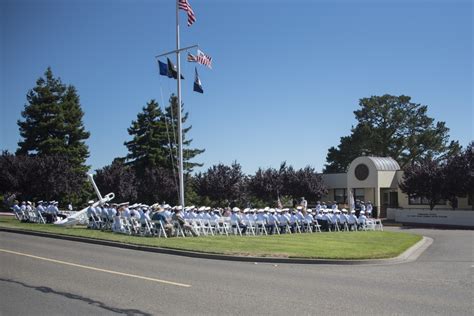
(42, 276)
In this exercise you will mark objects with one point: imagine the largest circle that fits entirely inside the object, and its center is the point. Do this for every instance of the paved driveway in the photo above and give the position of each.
(42, 276)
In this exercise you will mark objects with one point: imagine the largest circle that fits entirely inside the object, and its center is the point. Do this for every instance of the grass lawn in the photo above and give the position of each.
(340, 245)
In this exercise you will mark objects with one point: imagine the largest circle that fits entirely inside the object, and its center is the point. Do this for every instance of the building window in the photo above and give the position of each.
(359, 194)
(423, 201)
(340, 196)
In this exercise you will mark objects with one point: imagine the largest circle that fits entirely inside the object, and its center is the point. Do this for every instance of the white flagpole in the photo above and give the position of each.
(180, 131)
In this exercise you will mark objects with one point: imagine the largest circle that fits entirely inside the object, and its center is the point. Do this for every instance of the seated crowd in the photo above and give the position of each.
(164, 220)
(41, 212)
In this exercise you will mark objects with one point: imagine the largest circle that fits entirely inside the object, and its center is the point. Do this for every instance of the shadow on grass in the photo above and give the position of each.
(48, 290)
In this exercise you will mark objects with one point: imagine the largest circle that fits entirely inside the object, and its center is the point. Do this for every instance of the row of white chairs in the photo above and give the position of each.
(129, 226)
(226, 226)
(30, 215)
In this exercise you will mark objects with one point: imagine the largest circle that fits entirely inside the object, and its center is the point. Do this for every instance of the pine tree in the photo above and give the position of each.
(171, 117)
(53, 124)
(392, 126)
(148, 147)
(155, 138)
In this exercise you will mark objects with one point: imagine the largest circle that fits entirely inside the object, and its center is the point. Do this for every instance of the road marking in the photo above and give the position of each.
(95, 269)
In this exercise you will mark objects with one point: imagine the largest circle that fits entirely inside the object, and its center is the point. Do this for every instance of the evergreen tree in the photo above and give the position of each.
(149, 145)
(171, 117)
(53, 124)
(395, 127)
(155, 139)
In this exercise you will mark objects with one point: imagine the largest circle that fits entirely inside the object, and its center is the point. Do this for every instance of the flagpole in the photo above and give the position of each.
(180, 132)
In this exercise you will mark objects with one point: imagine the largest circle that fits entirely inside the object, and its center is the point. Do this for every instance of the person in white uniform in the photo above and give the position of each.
(352, 220)
(362, 218)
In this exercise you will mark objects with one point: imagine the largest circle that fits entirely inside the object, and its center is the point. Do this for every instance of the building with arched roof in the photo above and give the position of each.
(377, 179)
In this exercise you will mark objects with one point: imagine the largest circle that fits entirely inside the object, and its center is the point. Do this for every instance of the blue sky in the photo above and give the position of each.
(286, 77)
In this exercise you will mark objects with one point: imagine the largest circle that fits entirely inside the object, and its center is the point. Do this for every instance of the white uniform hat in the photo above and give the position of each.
(90, 202)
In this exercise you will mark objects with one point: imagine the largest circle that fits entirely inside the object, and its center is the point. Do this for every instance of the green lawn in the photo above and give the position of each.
(341, 245)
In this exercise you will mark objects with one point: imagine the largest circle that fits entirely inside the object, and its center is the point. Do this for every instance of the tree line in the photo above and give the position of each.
(50, 162)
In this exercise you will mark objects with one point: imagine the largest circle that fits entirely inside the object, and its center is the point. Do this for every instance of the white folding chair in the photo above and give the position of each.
(369, 225)
(316, 226)
(260, 228)
(208, 227)
(223, 226)
(178, 228)
(251, 229)
(297, 227)
(159, 229)
(378, 224)
(234, 225)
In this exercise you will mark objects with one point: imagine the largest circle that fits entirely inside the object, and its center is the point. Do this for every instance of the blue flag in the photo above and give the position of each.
(197, 83)
(168, 69)
(163, 69)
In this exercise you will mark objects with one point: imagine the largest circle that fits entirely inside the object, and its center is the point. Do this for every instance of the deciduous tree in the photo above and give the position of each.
(221, 183)
(118, 178)
(425, 179)
(392, 126)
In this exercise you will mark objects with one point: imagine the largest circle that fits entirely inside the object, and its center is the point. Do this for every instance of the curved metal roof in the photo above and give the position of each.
(385, 163)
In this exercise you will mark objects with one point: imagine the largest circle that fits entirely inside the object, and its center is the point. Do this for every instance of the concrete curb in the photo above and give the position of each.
(409, 255)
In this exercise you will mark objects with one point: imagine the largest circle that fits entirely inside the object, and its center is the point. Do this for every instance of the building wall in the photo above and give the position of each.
(387, 179)
(335, 180)
(436, 217)
(404, 203)
(375, 181)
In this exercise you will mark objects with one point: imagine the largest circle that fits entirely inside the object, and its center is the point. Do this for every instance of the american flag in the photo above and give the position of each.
(192, 58)
(200, 58)
(204, 59)
(184, 5)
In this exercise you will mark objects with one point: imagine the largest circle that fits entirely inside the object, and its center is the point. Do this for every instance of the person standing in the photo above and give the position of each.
(304, 203)
(369, 209)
